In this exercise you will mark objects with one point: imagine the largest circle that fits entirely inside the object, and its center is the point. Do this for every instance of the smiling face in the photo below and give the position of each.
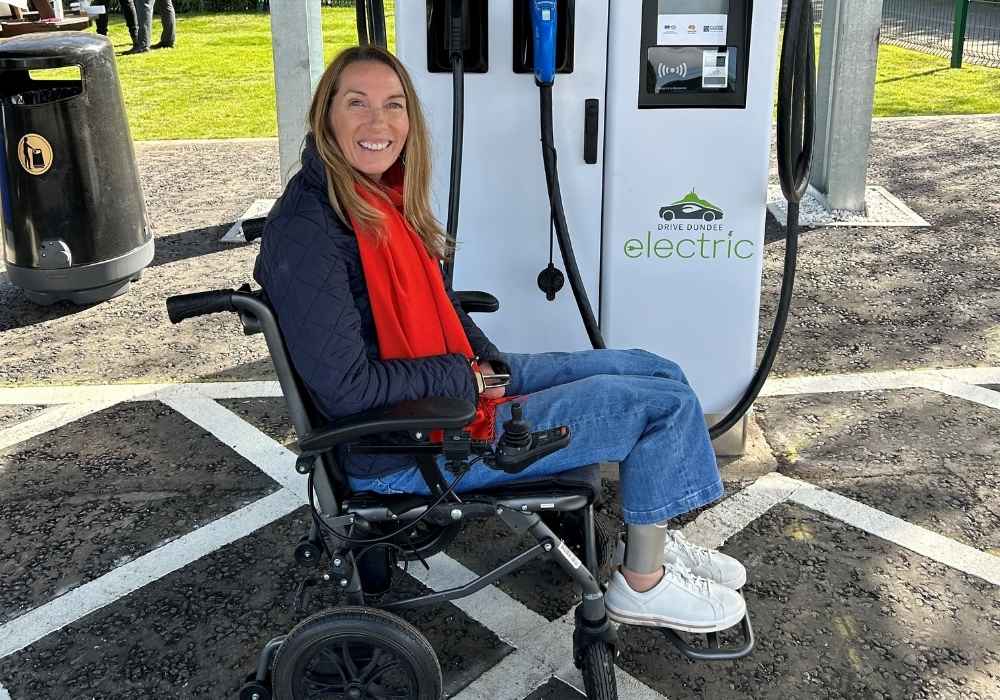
(369, 118)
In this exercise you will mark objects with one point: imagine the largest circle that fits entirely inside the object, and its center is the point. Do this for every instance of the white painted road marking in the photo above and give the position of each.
(50, 419)
(128, 578)
(275, 460)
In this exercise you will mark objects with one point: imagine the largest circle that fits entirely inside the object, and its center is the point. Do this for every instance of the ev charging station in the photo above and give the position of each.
(662, 113)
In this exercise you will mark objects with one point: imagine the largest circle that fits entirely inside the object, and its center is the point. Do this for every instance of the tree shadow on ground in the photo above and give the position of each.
(911, 76)
(17, 311)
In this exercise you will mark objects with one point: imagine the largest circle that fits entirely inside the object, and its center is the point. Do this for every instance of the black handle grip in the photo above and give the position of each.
(185, 306)
(591, 130)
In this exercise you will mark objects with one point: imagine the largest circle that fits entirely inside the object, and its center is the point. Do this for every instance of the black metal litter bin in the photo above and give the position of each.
(74, 221)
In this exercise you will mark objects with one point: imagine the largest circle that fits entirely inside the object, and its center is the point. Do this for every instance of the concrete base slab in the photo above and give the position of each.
(259, 207)
(882, 209)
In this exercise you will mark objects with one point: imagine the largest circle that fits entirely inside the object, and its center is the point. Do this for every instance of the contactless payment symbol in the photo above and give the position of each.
(35, 154)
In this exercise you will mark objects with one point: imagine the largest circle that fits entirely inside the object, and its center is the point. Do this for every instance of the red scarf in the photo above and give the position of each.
(414, 316)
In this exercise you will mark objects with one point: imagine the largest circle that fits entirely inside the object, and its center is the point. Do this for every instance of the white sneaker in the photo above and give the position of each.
(680, 600)
(718, 567)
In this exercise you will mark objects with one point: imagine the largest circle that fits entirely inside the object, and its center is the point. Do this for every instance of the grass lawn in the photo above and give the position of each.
(219, 83)
(912, 83)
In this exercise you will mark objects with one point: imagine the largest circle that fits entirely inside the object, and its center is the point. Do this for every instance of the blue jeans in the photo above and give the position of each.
(625, 406)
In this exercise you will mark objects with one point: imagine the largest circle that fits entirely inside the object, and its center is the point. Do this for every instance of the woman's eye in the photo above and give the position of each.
(396, 105)
(355, 103)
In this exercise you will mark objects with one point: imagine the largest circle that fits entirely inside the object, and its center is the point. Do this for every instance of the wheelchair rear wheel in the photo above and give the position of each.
(356, 653)
(598, 669)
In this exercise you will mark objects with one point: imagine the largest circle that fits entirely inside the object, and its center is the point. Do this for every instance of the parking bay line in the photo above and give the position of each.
(716, 525)
(924, 542)
(260, 449)
(51, 418)
(118, 583)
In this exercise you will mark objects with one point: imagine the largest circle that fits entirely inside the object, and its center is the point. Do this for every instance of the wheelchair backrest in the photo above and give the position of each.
(257, 316)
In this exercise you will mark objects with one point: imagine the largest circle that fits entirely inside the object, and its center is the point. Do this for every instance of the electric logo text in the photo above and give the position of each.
(687, 248)
(702, 219)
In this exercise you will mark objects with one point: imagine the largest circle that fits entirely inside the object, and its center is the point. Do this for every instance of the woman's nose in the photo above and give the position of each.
(376, 115)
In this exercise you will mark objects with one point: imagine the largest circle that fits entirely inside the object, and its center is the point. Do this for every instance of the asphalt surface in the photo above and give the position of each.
(839, 612)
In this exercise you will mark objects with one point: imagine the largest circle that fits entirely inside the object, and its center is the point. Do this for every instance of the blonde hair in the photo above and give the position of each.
(343, 178)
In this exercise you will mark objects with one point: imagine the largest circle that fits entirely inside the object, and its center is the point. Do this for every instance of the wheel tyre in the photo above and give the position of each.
(255, 691)
(598, 668)
(413, 654)
(709, 217)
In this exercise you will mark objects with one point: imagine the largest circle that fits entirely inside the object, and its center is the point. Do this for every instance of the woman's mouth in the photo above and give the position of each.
(374, 146)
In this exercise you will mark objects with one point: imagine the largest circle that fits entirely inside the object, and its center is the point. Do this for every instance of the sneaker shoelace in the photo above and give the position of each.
(683, 575)
(696, 553)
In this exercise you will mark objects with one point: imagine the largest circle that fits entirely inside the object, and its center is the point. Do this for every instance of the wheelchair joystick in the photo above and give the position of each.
(518, 448)
(516, 432)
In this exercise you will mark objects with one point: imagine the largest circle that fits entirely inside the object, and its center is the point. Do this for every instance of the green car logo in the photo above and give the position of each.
(691, 207)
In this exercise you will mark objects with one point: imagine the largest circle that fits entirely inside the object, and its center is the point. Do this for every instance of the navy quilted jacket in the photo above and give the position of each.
(310, 268)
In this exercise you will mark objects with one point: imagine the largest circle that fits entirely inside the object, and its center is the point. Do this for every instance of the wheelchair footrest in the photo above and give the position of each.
(713, 651)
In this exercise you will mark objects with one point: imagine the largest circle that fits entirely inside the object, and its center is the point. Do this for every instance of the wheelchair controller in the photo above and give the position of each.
(518, 447)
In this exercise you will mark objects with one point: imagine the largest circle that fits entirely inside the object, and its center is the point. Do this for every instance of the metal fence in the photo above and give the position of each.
(934, 26)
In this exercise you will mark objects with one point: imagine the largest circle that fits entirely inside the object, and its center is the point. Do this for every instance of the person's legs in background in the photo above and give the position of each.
(128, 14)
(168, 36)
(144, 25)
(101, 23)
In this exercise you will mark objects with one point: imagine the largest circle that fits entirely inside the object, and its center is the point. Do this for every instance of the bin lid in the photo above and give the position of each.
(54, 50)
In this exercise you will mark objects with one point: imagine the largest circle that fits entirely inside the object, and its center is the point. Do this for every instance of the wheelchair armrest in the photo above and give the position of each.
(406, 416)
(478, 302)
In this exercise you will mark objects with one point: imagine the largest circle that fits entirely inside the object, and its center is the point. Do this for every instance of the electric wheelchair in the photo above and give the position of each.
(358, 540)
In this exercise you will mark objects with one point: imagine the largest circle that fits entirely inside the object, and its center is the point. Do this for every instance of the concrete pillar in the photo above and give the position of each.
(844, 101)
(297, 44)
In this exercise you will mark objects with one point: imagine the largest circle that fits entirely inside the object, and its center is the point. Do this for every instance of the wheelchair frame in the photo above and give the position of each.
(340, 509)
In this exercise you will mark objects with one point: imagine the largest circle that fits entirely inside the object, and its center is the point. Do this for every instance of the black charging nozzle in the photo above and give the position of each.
(457, 13)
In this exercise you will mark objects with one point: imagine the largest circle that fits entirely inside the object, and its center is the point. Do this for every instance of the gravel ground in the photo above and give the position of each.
(130, 339)
(921, 456)
(902, 298)
(196, 633)
(9, 415)
(73, 507)
(840, 614)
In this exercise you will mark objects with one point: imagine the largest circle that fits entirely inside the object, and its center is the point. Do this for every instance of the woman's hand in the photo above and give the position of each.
(496, 392)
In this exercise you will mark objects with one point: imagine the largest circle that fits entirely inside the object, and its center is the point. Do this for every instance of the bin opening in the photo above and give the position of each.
(48, 74)
(38, 87)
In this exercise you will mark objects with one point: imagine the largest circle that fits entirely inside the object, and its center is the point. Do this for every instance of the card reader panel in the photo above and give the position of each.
(694, 53)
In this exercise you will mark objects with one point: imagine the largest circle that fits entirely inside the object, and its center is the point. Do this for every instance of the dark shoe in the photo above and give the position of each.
(134, 50)
(161, 45)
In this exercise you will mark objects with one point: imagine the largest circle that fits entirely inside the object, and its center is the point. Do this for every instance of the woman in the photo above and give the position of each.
(350, 262)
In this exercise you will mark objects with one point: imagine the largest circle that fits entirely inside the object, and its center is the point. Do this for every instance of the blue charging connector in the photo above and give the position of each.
(543, 20)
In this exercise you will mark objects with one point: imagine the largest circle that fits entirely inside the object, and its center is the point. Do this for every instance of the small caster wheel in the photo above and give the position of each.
(255, 691)
(307, 553)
